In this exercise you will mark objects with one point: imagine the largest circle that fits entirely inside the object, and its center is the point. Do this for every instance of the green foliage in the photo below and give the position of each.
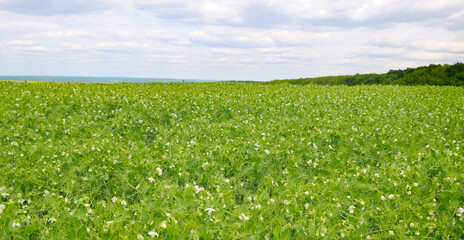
(231, 161)
(442, 75)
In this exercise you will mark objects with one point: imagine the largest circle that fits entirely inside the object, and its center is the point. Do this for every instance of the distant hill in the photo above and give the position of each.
(434, 74)
(99, 79)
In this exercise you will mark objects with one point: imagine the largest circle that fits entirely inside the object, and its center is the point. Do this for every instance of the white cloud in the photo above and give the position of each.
(22, 42)
(199, 11)
(52, 7)
(227, 39)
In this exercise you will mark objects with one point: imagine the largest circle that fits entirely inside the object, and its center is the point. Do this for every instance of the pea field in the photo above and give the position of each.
(230, 161)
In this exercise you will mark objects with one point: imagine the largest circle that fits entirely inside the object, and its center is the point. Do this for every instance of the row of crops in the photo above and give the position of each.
(230, 161)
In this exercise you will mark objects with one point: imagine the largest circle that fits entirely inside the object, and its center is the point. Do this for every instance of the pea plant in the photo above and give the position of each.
(230, 161)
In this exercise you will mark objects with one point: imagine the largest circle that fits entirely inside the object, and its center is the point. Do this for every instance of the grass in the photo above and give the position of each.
(21, 81)
(230, 161)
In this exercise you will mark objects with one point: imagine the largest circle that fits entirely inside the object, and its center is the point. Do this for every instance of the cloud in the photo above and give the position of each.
(194, 12)
(299, 13)
(227, 39)
(20, 42)
(415, 36)
(52, 7)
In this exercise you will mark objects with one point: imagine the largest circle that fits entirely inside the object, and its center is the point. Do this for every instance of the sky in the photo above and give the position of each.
(227, 39)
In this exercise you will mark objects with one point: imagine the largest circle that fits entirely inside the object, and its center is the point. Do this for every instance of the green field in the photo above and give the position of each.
(230, 161)
(20, 81)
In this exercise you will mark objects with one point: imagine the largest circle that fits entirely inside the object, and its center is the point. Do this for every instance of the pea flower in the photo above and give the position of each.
(163, 224)
(243, 217)
(351, 209)
(210, 210)
(159, 171)
(153, 234)
(16, 224)
(459, 214)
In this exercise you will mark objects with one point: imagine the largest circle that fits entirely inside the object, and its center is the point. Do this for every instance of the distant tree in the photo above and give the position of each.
(433, 74)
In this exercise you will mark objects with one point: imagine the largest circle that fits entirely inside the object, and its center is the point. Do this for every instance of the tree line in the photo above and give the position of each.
(434, 74)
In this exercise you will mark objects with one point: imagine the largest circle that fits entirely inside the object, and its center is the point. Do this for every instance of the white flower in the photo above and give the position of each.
(391, 196)
(52, 220)
(460, 210)
(306, 206)
(89, 210)
(140, 237)
(227, 180)
(258, 207)
(5, 194)
(163, 224)
(210, 210)
(243, 217)
(123, 202)
(159, 171)
(2, 207)
(153, 234)
(198, 189)
(16, 224)
(267, 151)
(383, 198)
(114, 199)
(286, 202)
(415, 184)
(391, 232)
(151, 179)
(351, 209)
(412, 224)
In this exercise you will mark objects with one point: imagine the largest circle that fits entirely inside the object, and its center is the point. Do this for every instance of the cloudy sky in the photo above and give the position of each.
(227, 39)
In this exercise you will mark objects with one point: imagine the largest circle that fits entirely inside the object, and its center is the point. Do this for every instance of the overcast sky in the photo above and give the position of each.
(227, 39)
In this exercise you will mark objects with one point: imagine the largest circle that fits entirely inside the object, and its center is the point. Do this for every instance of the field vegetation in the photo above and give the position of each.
(230, 161)
(434, 74)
